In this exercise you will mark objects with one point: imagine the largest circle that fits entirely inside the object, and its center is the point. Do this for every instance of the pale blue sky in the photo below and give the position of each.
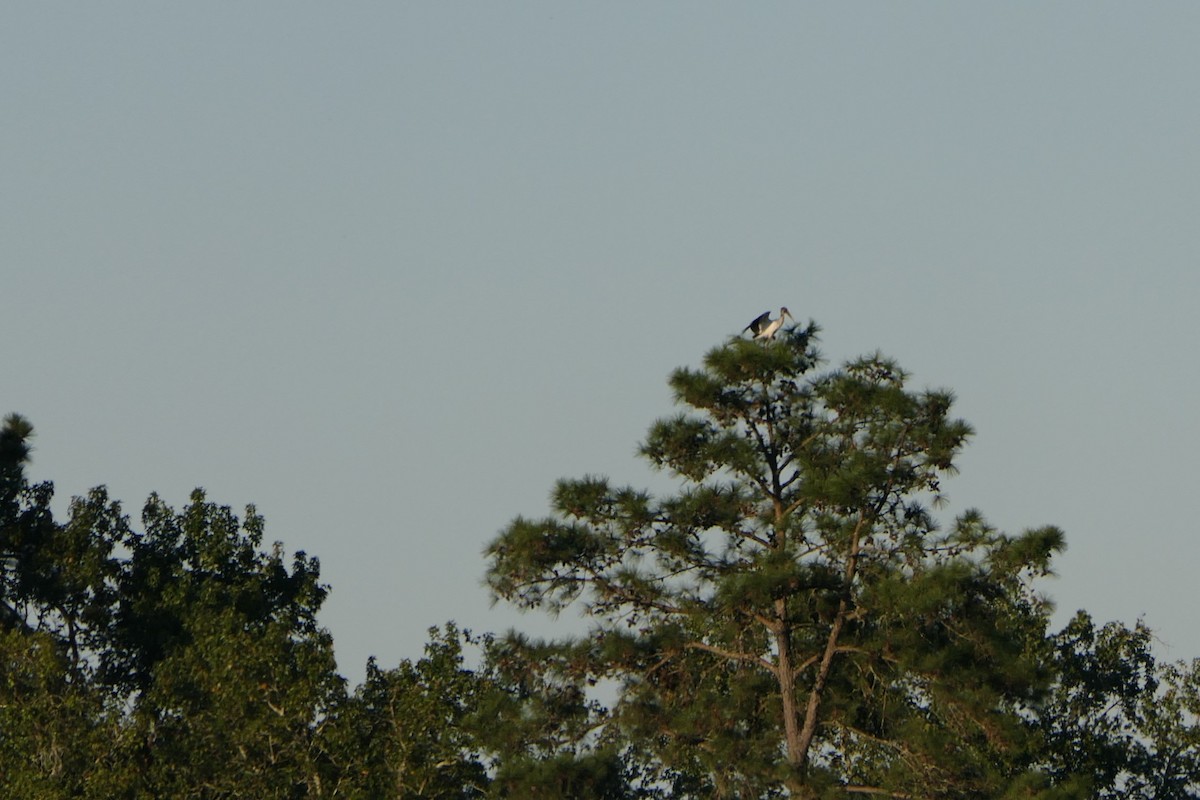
(388, 270)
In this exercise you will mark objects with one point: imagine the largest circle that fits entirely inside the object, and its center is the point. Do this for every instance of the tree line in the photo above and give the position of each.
(792, 621)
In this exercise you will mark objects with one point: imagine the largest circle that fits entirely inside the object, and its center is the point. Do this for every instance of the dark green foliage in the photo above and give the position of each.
(185, 660)
(792, 620)
(54, 578)
(218, 646)
(408, 732)
(1119, 724)
(178, 662)
(52, 729)
(548, 739)
(14, 453)
(196, 563)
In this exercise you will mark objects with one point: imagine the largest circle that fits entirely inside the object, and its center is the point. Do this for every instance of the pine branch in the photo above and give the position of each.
(808, 662)
(748, 658)
(876, 790)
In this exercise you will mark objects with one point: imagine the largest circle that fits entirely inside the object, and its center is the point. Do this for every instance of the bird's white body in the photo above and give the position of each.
(763, 327)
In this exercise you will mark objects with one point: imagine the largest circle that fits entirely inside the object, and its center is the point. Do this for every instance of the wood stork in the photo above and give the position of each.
(764, 327)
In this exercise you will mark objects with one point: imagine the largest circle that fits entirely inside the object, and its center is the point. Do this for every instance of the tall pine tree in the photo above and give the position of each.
(792, 619)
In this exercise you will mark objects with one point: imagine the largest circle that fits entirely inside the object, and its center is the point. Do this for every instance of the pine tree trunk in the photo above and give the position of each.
(785, 673)
(800, 737)
(787, 688)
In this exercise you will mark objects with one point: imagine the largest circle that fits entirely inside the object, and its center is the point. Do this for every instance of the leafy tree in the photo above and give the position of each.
(218, 647)
(1118, 724)
(57, 578)
(407, 732)
(181, 661)
(792, 620)
(53, 730)
(436, 728)
(1169, 766)
(789, 622)
(55, 583)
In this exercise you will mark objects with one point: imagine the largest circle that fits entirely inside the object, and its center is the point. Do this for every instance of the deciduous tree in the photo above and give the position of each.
(217, 645)
(1119, 725)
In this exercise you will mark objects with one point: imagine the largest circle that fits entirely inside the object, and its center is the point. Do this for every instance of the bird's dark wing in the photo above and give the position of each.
(759, 323)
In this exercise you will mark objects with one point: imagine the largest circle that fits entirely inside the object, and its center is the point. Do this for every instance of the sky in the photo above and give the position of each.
(389, 270)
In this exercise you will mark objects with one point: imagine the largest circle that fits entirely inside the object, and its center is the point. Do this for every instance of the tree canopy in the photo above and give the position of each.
(794, 618)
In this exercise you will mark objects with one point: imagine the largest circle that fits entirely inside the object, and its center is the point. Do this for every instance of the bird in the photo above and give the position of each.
(764, 327)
